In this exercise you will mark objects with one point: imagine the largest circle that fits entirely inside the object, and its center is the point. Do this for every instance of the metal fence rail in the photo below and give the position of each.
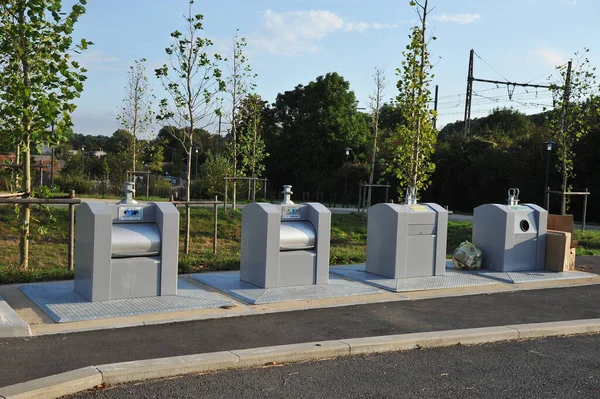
(66, 200)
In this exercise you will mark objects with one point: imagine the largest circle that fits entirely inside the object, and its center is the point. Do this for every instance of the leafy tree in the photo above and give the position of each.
(252, 151)
(192, 80)
(39, 81)
(414, 142)
(153, 156)
(375, 105)
(136, 111)
(308, 130)
(169, 138)
(569, 121)
(212, 174)
(120, 142)
(238, 84)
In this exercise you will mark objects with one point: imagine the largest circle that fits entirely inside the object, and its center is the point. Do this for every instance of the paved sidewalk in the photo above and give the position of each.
(34, 357)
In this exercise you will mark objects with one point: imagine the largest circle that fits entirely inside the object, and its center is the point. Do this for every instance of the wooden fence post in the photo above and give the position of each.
(225, 197)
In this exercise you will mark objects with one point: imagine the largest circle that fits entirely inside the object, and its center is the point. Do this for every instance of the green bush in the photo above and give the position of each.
(14, 275)
(212, 173)
(161, 188)
(77, 183)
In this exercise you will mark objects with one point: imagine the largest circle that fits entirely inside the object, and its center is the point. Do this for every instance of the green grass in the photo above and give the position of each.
(48, 252)
(13, 275)
(589, 242)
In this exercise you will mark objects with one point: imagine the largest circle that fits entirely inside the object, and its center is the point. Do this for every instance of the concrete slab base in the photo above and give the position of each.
(229, 283)
(64, 305)
(11, 325)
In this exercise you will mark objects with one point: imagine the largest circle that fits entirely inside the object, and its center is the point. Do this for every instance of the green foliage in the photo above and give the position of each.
(211, 176)
(136, 112)
(413, 143)
(39, 80)
(78, 183)
(239, 84)
(192, 80)
(251, 145)
(13, 275)
(162, 188)
(307, 131)
(480, 168)
(153, 156)
(571, 118)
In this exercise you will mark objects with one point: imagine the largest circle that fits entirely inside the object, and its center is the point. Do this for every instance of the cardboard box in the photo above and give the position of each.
(562, 223)
(560, 256)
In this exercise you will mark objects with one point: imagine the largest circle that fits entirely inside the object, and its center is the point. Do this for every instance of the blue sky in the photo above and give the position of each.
(292, 42)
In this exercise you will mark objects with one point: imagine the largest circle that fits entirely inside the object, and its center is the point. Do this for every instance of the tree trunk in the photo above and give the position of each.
(25, 208)
(564, 128)
(234, 132)
(374, 153)
(415, 168)
(186, 245)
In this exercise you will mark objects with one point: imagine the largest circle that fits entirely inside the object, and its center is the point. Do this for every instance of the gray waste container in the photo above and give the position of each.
(512, 237)
(285, 245)
(126, 250)
(407, 240)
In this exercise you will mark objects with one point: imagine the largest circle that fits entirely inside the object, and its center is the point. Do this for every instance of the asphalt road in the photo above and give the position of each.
(544, 368)
(23, 359)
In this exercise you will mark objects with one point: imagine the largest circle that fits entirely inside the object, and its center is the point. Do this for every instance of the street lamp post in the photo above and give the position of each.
(83, 161)
(549, 144)
(196, 150)
(347, 149)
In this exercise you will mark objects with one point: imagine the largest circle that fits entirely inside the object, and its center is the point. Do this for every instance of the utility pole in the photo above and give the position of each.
(566, 96)
(469, 95)
(435, 105)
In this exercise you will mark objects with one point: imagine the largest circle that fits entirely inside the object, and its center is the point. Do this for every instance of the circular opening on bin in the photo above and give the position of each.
(524, 225)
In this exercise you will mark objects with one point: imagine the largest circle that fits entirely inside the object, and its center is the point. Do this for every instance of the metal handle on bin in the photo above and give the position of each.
(513, 196)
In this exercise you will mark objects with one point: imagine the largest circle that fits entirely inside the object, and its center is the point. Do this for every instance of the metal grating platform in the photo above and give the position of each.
(229, 282)
(63, 305)
(531, 276)
(452, 279)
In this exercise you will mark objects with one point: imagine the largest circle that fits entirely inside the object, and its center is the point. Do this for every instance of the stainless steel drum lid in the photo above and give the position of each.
(135, 239)
(296, 235)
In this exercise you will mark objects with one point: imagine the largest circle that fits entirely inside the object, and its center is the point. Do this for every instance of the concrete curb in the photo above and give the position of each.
(11, 325)
(54, 386)
(115, 373)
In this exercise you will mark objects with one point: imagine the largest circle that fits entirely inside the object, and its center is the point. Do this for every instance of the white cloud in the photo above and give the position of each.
(296, 32)
(550, 56)
(97, 60)
(461, 19)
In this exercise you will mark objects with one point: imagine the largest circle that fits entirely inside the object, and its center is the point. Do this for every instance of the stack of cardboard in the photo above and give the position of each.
(560, 245)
